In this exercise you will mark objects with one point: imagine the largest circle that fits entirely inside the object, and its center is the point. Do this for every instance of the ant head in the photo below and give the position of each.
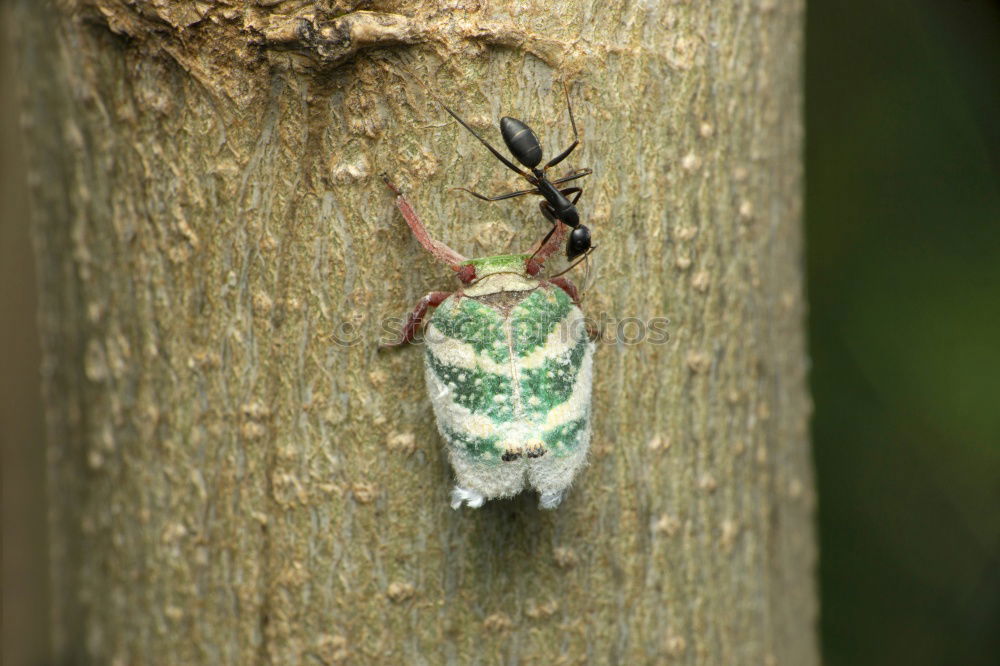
(579, 242)
(521, 141)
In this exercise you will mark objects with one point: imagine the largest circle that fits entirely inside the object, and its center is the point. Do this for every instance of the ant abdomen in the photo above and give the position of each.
(521, 141)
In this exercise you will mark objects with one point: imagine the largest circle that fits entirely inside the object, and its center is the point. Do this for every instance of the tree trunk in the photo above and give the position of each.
(237, 475)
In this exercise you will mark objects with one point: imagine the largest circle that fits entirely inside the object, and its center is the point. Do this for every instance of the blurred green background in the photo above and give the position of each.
(903, 228)
(903, 222)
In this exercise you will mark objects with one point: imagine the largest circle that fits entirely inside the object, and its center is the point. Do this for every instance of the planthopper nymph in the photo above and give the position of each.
(509, 360)
(509, 367)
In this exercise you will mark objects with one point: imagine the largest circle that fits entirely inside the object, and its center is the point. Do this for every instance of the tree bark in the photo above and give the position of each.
(238, 476)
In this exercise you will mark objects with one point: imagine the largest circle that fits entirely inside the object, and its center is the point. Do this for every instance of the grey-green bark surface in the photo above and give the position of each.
(231, 485)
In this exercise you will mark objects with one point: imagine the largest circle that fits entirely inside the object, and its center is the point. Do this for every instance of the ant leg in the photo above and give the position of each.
(510, 165)
(413, 320)
(561, 156)
(579, 173)
(440, 251)
(578, 191)
(547, 213)
(547, 247)
(575, 263)
(550, 244)
(499, 197)
(576, 138)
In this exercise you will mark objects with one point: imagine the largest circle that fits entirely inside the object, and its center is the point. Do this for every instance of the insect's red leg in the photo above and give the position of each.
(563, 283)
(437, 248)
(413, 320)
(549, 245)
(568, 287)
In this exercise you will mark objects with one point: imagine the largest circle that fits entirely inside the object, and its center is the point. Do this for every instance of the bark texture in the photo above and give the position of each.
(231, 483)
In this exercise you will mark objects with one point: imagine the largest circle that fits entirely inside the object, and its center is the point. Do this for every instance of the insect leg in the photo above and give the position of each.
(550, 244)
(566, 285)
(579, 173)
(578, 191)
(546, 209)
(561, 156)
(437, 248)
(574, 264)
(499, 197)
(571, 290)
(576, 138)
(496, 153)
(413, 320)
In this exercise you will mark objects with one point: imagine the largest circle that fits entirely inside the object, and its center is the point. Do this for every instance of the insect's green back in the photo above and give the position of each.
(500, 263)
(509, 375)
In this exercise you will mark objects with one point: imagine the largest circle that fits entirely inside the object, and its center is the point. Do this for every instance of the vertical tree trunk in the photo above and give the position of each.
(237, 476)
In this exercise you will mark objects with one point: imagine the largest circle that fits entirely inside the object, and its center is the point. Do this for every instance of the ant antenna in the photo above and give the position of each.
(575, 263)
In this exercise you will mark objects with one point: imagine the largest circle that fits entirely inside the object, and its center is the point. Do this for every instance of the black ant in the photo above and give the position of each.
(525, 147)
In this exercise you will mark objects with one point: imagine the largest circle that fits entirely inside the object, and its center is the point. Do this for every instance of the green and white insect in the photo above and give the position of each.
(509, 367)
